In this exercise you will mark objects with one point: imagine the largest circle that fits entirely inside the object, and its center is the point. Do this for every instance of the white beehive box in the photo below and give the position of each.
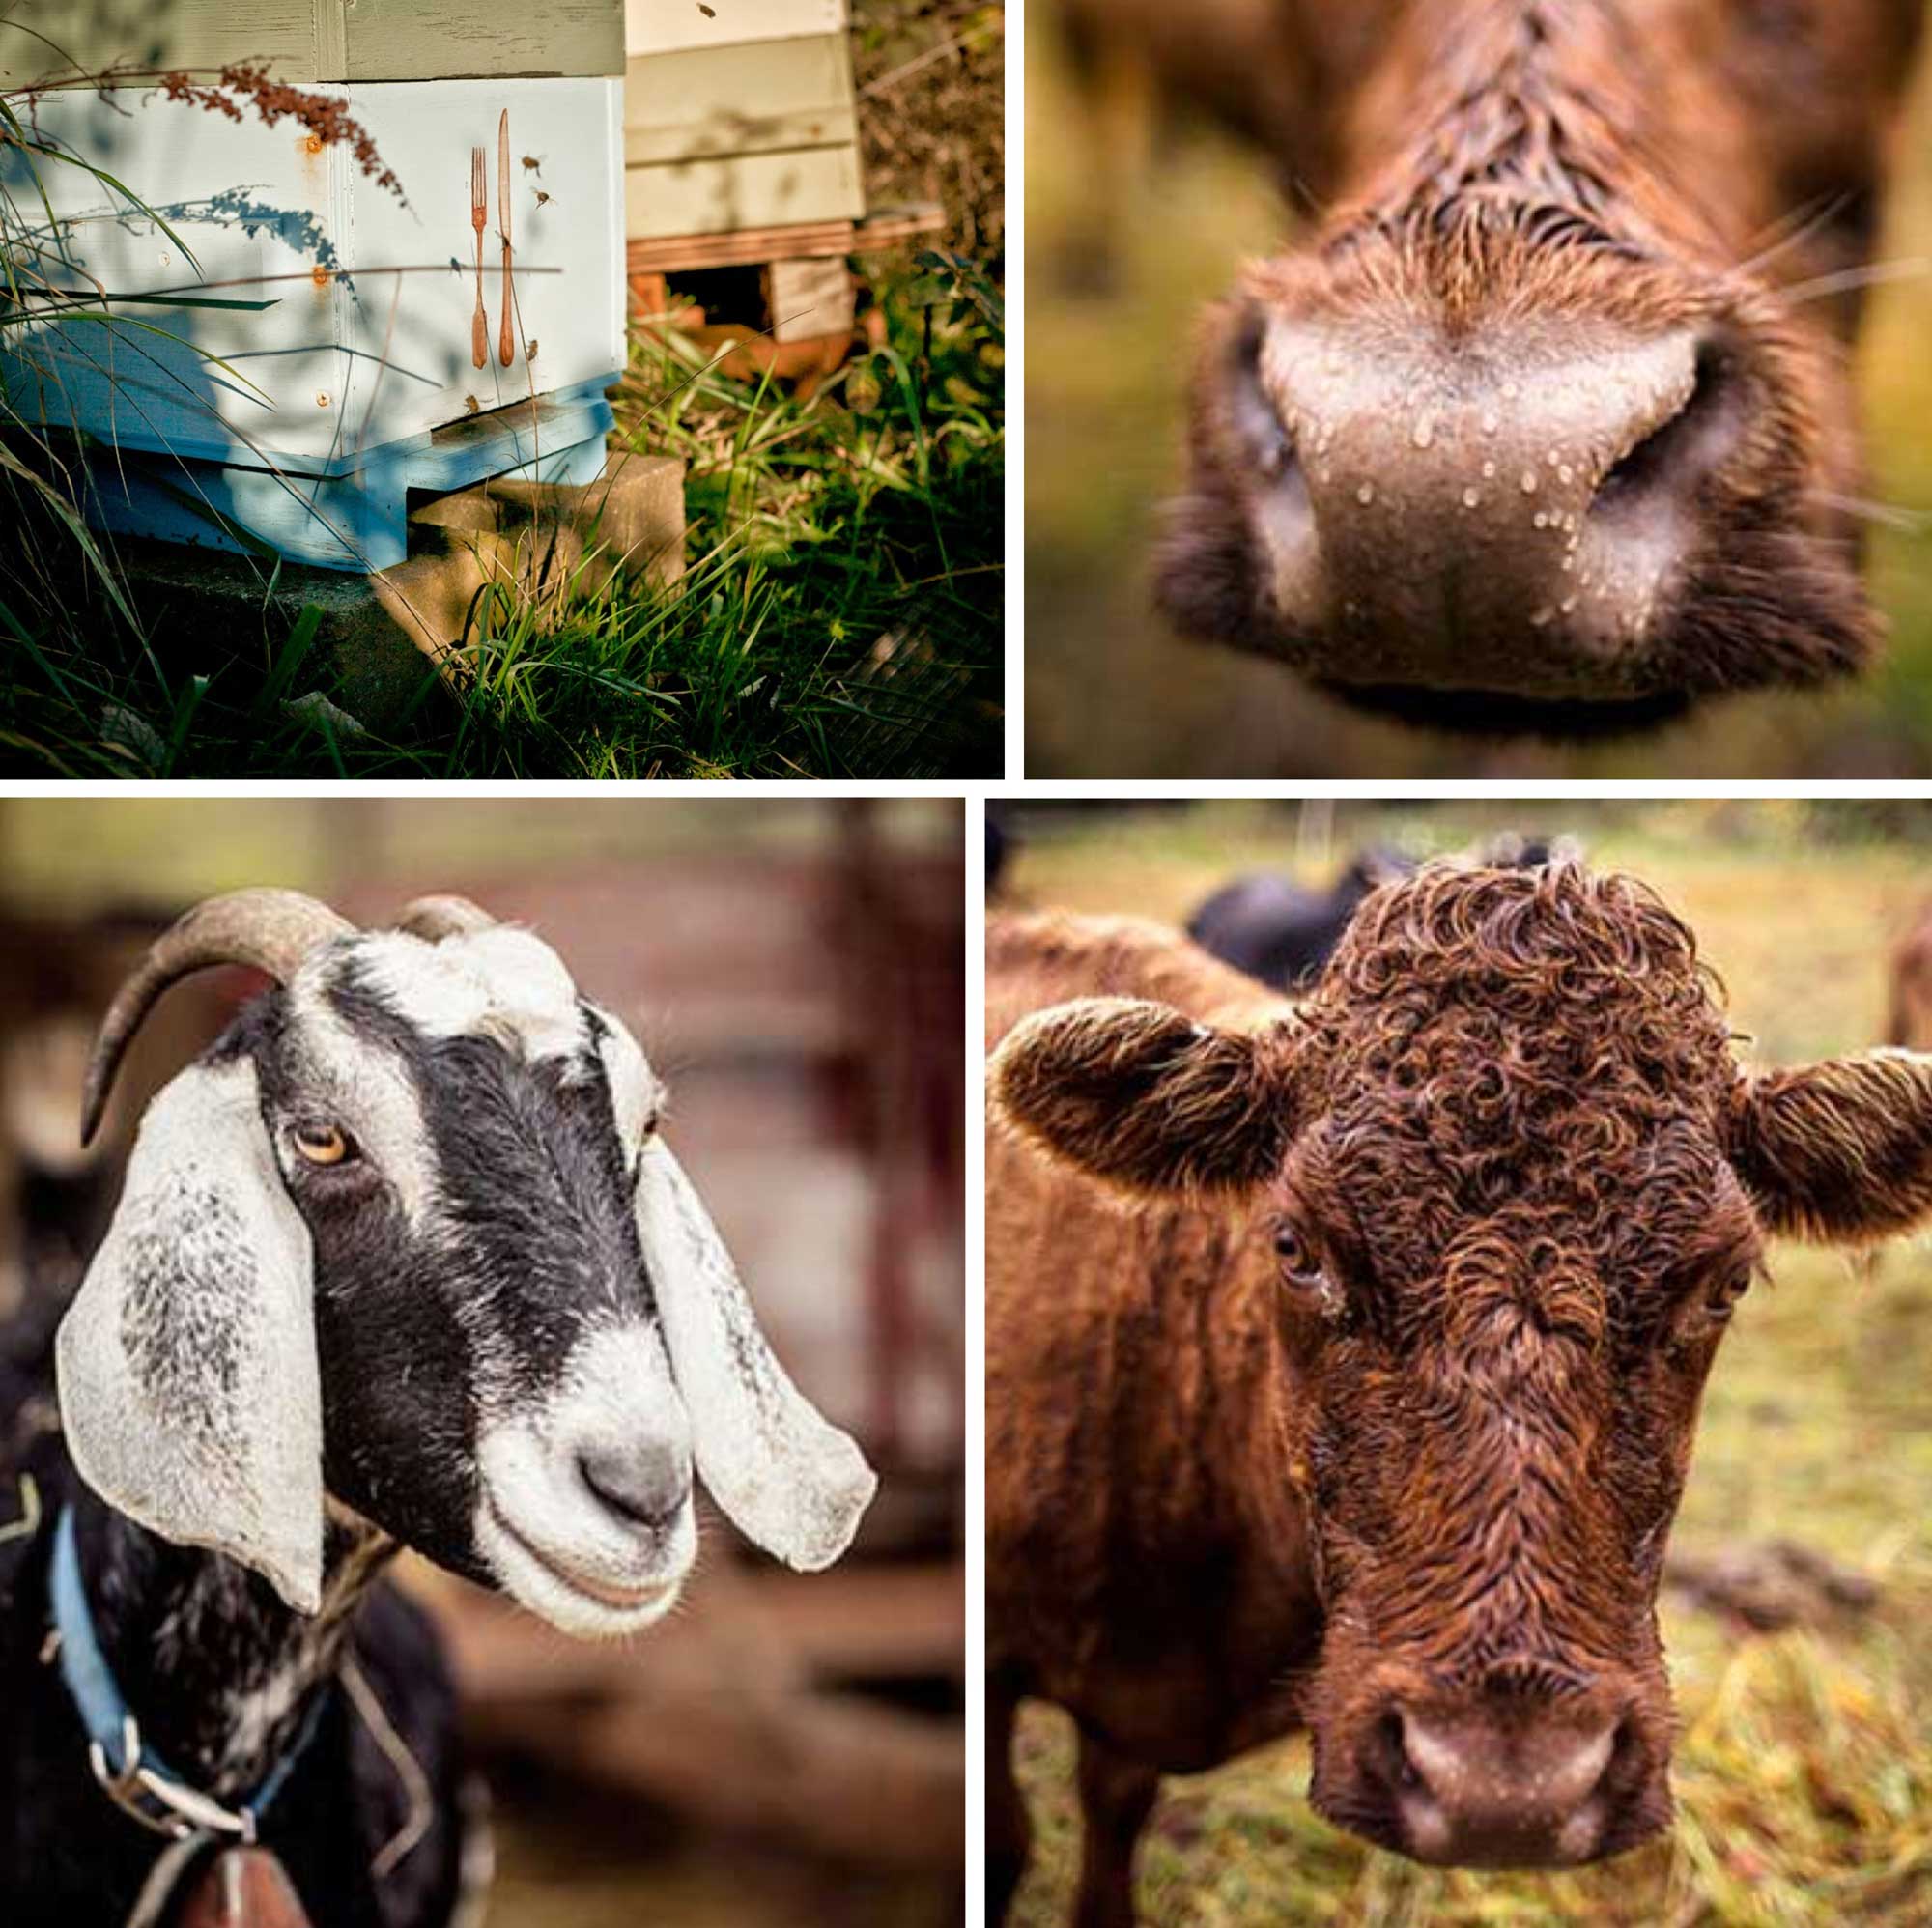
(358, 385)
(738, 115)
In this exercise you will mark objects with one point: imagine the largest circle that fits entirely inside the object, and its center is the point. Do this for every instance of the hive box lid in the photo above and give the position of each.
(669, 26)
(307, 41)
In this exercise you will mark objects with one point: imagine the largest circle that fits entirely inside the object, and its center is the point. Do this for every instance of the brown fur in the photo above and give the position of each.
(1222, 1502)
(1537, 177)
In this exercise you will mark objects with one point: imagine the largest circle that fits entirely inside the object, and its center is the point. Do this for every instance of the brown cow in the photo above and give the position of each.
(1548, 427)
(1372, 1417)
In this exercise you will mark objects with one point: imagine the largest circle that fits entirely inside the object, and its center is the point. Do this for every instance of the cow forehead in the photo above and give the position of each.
(501, 982)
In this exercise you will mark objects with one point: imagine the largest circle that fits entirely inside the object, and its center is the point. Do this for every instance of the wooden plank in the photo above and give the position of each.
(757, 190)
(893, 227)
(740, 100)
(808, 296)
(669, 26)
(206, 34)
(737, 248)
(314, 41)
(437, 40)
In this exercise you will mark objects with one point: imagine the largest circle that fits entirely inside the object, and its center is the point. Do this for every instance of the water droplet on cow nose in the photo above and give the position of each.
(1540, 519)
(1424, 432)
(1530, 482)
(1565, 473)
(1491, 421)
(1489, 471)
(1471, 496)
(1365, 494)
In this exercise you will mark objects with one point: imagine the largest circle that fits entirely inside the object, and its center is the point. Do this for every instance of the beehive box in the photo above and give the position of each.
(739, 114)
(303, 425)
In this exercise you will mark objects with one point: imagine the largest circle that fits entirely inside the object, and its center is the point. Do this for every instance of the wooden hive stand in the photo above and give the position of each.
(741, 150)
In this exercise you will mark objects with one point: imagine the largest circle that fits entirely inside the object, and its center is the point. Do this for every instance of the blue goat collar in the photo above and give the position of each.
(137, 1780)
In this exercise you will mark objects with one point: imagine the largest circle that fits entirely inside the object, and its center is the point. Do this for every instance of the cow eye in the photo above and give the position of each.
(1300, 1268)
(322, 1144)
(1725, 1294)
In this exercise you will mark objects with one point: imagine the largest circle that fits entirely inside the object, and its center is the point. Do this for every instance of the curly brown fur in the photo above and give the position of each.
(1520, 184)
(1398, 1431)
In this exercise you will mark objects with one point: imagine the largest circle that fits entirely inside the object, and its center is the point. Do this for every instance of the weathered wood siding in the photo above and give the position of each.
(749, 124)
(670, 26)
(310, 41)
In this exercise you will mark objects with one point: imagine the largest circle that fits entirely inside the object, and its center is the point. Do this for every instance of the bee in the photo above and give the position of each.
(471, 406)
(529, 351)
(542, 198)
(709, 13)
(531, 164)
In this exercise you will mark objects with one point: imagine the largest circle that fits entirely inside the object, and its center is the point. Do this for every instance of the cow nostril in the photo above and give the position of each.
(1685, 447)
(648, 1486)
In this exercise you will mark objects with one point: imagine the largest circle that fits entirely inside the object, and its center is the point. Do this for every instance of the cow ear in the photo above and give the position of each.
(1840, 1150)
(787, 1477)
(190, 1392)
(1142, 1096)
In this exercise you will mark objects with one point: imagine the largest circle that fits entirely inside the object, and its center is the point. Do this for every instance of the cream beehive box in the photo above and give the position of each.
(738, 115)
(305, 425)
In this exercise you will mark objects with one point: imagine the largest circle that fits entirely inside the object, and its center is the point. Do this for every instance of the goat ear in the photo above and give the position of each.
(1839, 1150)
(786, 1477)
(189, 1391)
(1142, 1096)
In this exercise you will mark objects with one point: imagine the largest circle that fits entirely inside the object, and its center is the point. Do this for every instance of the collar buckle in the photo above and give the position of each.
(159, 1802)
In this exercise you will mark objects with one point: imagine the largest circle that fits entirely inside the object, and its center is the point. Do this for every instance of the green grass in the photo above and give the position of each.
(1803, 1774)
(840, 613)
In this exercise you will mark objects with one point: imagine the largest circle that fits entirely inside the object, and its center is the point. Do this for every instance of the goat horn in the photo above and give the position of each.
(269, 930)
(440, 917)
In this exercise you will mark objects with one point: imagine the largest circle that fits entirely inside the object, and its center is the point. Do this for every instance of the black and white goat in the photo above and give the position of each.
(402, 1260)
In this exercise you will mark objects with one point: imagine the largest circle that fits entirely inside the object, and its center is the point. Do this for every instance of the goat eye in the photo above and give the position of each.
(322, 1144)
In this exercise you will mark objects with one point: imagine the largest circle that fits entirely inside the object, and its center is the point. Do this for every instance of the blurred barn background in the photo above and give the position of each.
(787, 1748)
(1798, 1602)
(1137, 213)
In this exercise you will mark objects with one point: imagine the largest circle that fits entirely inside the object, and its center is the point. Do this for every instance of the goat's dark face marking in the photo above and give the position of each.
(472, 1214)
(417, 1204)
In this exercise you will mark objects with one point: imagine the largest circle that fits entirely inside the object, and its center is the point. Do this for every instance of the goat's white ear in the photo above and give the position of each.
(789, 1478)
(189, 1391)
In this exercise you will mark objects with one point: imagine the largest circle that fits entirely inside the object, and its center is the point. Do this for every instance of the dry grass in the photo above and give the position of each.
(1804, 1777)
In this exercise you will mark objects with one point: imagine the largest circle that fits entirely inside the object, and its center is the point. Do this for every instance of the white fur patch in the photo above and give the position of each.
(501, 982)
(787, 1478)
(637, 1094)
(551, 1542)
(189, 1390)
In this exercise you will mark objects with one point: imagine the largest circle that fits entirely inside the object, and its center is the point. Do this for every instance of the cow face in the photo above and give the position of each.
(1510, 1184)
(1548, 428)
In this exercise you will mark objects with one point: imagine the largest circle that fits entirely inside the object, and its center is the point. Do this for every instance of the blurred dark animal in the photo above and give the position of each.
(1910, 1020)
(1344, 1357)
(999, 850)
(1281, 932)
(1549, 425)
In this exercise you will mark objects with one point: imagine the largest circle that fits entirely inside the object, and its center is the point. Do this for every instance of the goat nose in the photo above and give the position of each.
(1510, 509)
(648, 1483)
(1475, 1790)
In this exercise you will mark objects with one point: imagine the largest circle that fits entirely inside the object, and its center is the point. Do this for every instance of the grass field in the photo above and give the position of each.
(841, 613)
(1111, 692)
(1804, 1773)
